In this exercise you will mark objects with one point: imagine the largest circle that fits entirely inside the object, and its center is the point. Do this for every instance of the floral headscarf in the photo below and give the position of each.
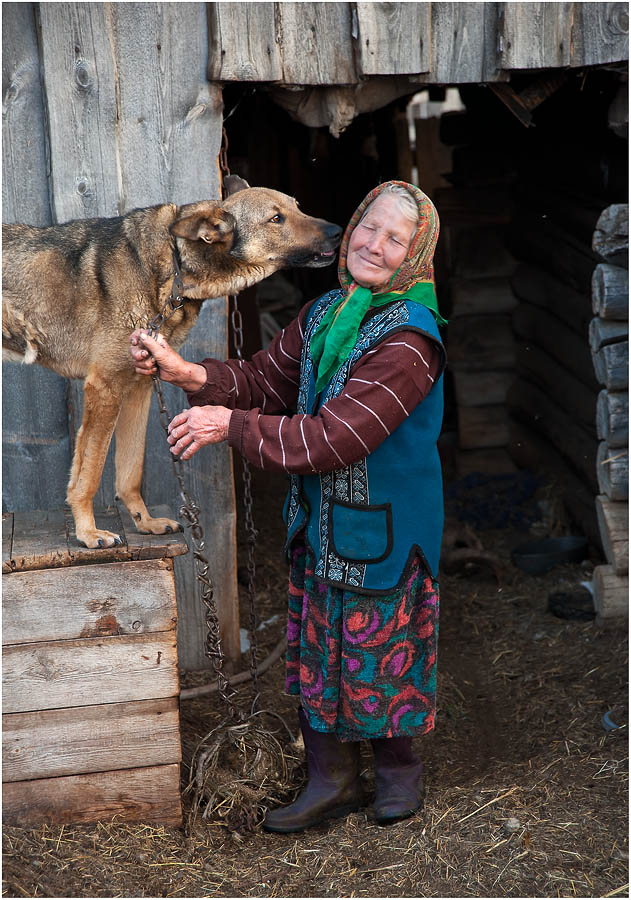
(336, 335)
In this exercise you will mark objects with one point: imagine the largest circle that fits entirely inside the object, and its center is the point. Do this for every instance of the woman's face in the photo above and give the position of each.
(379, 243)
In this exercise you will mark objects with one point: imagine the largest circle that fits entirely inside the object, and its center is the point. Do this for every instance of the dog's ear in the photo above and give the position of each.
(233, 183)
(213, 226)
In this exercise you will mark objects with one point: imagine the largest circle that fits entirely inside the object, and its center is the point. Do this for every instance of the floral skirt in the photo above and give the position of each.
(364, 666)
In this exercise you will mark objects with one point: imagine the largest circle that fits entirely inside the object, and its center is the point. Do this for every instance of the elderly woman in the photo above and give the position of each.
(347, 400)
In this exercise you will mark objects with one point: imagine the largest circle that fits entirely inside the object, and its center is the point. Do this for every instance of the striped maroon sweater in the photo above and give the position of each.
(385, 386)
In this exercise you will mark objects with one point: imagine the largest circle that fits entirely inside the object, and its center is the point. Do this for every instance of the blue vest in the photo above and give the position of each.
(365, 522)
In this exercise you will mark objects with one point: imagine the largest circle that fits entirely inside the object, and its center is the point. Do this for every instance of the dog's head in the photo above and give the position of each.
(271, 231)
(205, 221)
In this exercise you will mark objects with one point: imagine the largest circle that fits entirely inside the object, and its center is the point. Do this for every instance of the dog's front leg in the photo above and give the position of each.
(131, 430)
(101, 404)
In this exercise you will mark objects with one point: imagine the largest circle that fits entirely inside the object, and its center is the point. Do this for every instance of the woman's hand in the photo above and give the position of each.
(196, 427)
(155, 357)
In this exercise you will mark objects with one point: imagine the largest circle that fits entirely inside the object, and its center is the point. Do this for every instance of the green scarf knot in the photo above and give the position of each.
(336, 334)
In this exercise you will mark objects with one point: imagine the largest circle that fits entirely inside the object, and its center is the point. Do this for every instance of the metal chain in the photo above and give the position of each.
(251, 533)
(189, 512)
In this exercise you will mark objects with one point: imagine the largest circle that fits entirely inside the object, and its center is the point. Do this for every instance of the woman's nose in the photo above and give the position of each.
(375, 242)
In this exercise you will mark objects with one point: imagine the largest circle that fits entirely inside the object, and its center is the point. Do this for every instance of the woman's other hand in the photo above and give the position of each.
(156, 357)
(196, 427)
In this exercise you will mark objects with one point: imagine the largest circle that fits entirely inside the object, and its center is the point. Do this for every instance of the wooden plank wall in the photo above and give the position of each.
(439, 43)
(127, 118)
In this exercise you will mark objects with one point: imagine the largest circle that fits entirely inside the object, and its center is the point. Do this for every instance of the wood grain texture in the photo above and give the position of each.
(242, 43)
(611, 595)
(536, 35)
(316, 43)
(600, 33)
(88, 601)
(612, 418)
(60, 674)
(610, 292)
(149, 794)
(612, 466)
(52, 743)
(613, 521)
(394, 38)
(611, 366)
(465, 43)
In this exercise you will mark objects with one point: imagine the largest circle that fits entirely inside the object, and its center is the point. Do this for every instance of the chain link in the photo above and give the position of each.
(189, 513)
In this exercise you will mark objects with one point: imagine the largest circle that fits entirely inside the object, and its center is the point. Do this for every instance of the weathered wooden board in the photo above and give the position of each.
(316, 43)
(611, 235)
(394, 38)
(613, 471)
(480, 343)
(242, 43)
(611, 594)
(560, 342)
(465, 43)
(39, 540)
(611, 366)
(606, 331)
(149, 794)
(60, 674)
(546, 416)
(56, 742)
(600, 33)
(612, 418)
(539, 287)
(88, 601)
(481, 388)
(536, 35)
(7, 539)
(613, 521)
(35, 439)
(610, 292)
(481, 296)
(578, 400)
(482, 426)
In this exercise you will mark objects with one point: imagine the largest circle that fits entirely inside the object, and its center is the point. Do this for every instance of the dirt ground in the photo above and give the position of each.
(526, 790)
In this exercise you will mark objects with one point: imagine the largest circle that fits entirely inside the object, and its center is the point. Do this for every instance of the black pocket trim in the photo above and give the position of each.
(361, 507)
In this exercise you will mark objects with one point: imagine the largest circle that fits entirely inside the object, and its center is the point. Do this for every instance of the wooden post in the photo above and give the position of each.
(611, 594)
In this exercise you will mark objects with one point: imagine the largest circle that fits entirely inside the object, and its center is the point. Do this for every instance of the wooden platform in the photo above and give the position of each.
(90, 673)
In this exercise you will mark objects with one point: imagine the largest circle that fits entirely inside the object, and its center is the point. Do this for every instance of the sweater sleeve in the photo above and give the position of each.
(269, 382)
(385, 386)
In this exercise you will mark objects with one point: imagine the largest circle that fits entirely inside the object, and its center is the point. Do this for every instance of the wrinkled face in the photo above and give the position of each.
(271, 229)
(379, 243)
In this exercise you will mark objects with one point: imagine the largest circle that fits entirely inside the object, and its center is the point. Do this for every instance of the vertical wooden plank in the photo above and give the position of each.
(242, 42)
(464, 43)
(600, 33)
(394, 38)
(316, 43)
(135, 122)
(536, 35)
(35, 440)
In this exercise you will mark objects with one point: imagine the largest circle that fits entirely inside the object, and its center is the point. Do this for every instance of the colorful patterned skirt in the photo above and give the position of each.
(364, 666)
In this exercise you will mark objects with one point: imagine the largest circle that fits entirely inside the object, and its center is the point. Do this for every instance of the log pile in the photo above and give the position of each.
(609, 346)
(475, 212)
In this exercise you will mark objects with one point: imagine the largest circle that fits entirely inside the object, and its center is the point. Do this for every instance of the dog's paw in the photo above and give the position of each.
(157, 526)
(98, 539)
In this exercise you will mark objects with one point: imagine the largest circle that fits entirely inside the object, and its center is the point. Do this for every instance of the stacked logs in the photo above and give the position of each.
(609, 345)
(475, 213)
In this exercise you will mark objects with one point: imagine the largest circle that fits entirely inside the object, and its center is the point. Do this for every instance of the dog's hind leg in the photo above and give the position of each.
(101, 403)
(130, 448)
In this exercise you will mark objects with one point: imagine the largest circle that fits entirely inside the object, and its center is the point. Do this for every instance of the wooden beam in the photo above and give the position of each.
(610, 292)
(150, 794)
(611, 365)
(612, 418)
(611, 595)
(611, 235)
(612, 466)
(613, 521)
(57, 742)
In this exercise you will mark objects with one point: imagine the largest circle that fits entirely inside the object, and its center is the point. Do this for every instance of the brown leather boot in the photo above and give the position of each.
(398, 786)
(333, 786)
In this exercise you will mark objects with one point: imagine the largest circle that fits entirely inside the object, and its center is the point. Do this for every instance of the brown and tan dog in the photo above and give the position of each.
(73, 293)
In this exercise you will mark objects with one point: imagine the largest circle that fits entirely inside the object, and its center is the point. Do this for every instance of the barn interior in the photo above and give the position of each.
(520, 173)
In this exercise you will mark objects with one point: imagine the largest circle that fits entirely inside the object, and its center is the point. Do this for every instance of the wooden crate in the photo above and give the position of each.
(90, 673)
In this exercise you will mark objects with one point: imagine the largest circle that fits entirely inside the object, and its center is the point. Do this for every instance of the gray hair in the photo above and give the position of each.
(405, 201)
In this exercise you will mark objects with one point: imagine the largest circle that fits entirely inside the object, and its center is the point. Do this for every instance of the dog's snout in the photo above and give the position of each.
(332, 232)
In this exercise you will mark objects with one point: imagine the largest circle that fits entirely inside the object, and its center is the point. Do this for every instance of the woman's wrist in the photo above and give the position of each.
(192, 379)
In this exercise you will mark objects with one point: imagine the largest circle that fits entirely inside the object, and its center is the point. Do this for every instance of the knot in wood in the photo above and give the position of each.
(82, 74)
(82, 183)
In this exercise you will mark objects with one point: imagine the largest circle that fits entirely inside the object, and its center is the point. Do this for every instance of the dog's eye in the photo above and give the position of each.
(277, 219)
